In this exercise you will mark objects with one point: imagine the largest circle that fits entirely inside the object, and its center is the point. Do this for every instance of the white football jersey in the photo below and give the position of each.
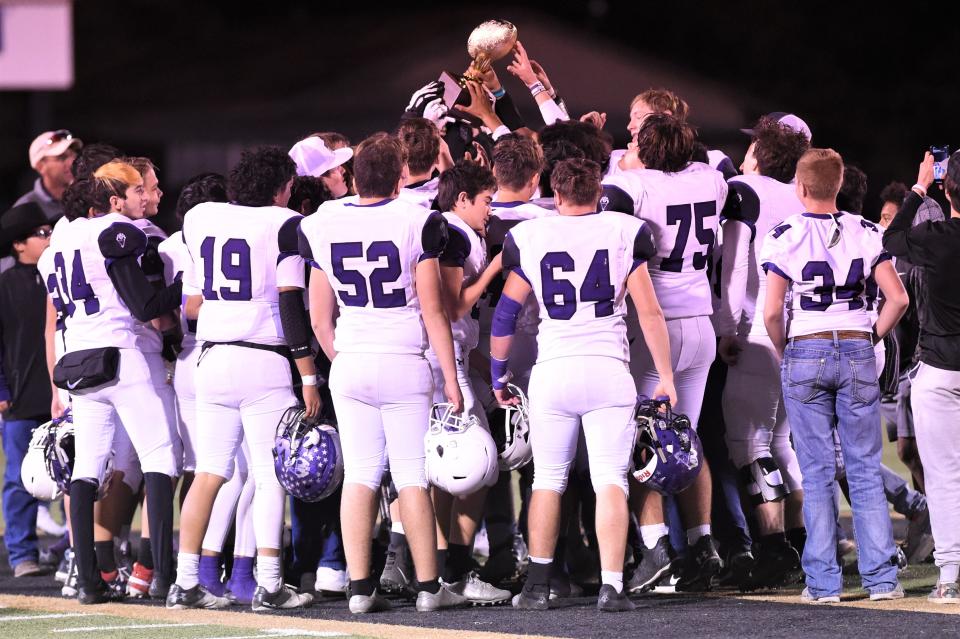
(240, 256)
(177, 263)
(503, 217)
(370, 255)
(578, 268)
(827, 283)
(422, 193)
(74, 268)
(761, 203)
(683, 211)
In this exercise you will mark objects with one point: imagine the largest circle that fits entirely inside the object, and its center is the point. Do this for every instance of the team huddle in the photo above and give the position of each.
(544, 305)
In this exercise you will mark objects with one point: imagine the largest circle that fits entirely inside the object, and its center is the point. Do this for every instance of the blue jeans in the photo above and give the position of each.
(316, 535)
(827, 384)
(19, 506)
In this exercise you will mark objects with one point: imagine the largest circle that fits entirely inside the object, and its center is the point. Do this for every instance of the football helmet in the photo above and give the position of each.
(461, 455)
(667, 454)
(33, 471)
(60, 454)
(307, 457)
(510, 429)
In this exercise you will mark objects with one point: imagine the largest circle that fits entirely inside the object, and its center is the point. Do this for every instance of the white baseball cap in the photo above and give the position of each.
(312, 156)
(788, 120)
(52, 144)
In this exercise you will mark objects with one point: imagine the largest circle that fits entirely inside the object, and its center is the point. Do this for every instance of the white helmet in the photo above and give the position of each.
(461, 455)
(33, 471)
(513, 433)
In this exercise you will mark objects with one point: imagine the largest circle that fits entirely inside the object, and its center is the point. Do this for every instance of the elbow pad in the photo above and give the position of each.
(296, 327)
(505, 317)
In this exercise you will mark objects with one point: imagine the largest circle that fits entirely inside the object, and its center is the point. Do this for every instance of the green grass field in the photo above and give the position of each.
(31, 624)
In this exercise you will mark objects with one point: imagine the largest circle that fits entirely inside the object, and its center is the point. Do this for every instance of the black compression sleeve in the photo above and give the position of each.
(296, 325)
(507, 111)
(144, 301)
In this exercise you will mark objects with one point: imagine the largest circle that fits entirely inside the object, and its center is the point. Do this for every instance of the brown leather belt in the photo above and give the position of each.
(839, 335)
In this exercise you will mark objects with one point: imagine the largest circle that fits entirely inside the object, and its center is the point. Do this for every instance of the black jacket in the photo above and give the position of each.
(23, 313)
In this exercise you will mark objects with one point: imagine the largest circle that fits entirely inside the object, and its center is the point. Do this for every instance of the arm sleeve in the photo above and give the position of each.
(735, 254)
(613, 198)
(296, 326)
(901, 240)
(290, 271)
(644, 246)
(552, 112)
(151, 262)
(507, 111)
(144, 300)
(434, 237)
(457, 249)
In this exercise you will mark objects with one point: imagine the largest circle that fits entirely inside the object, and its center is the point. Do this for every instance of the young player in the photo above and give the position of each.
(757, 433)
(96, 283)
(375, 260)
(823, 257)
(465, 192)
(579, 266)
(681, 201)
(247, 280)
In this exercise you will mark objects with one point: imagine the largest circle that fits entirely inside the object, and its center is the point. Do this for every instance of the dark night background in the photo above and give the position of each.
(191, 83)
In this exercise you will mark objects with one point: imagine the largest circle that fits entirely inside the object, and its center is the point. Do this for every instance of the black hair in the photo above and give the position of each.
(665, 143)
(465, 177)
(777, 149)
(76, 199)
(259, 176)
(307, 190)
(92, 157)
(951, 183)
(205, 187)
(852, 190)
(570, 139)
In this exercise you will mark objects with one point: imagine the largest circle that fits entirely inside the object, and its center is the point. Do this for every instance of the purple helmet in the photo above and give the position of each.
(59, 453)
(307, 457)
(667, 454)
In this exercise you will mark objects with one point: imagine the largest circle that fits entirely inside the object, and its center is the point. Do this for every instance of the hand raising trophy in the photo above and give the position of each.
(487, 43)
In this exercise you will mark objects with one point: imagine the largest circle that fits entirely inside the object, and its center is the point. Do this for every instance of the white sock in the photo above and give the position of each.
(268, 573)
(694, 534)
(949, 573)
(188, 569)
(615, 579)
(651, 534)
(397, 527)
(540, 560)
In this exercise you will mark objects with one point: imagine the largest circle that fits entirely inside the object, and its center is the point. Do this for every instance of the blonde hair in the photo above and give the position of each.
(120, 171)
(663, 101)
(112, 179)
(820, 171)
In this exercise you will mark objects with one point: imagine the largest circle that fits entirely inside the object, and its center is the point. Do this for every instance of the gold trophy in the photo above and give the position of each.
(492, 40)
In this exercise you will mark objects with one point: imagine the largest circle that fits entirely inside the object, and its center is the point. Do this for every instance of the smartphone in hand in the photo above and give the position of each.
(941, 155)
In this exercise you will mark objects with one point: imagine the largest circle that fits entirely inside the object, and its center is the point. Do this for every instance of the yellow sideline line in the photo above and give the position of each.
(245, 620)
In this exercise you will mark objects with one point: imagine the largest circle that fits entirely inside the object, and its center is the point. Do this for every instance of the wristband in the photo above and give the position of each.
(923, 191)
(499, 373)
(499, 93)
(536, 88)
(308, 380)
